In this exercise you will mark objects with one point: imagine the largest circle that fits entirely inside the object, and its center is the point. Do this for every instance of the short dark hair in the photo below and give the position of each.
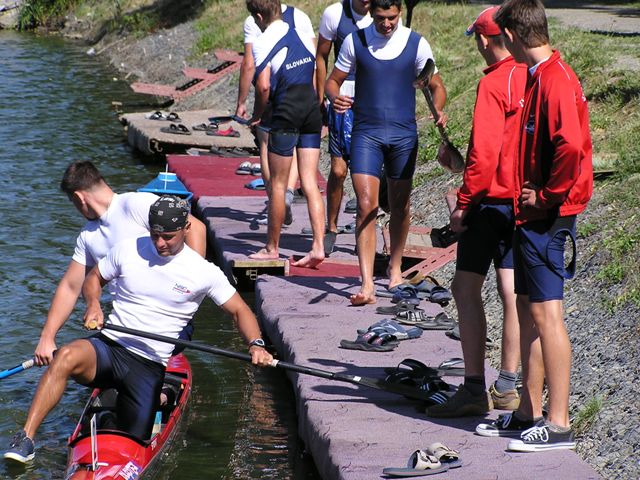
(268, 9)
(81, 175)
(497, 40)
(385, 4)
(525, 18)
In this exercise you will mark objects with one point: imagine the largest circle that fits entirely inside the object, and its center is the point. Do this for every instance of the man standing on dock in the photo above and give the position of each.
(285, 66)
(160, 285)
(386, 58)
(295, 18)
(338, 21)
(553, 184)
(111, 218)
(484, 217)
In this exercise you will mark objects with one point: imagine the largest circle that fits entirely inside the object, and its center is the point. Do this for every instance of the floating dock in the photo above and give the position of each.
(352, 432)
(145, 134)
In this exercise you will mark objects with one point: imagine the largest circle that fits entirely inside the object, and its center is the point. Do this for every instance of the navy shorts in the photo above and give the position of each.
(539, 258)
(340, 127)
(487, 239)
(397, 152)
(137, 380)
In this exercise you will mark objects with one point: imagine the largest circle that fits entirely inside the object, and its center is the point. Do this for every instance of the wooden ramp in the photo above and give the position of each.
(145, 135)
(198, 78)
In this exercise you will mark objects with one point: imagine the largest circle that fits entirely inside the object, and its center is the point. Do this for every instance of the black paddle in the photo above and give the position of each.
(378, 384)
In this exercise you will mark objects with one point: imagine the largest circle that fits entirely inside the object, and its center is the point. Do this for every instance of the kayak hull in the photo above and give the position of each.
(120, 455)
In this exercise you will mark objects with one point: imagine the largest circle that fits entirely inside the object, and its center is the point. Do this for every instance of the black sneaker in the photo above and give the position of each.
(507, 425)
(21, 449)
(541, 438)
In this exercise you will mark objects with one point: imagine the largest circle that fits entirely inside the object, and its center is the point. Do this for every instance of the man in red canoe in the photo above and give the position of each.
(159, 284)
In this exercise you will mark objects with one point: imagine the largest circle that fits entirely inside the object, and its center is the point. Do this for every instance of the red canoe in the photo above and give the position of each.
(120, 455)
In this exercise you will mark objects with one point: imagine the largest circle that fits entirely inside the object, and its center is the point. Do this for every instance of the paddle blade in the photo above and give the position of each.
(450, 158)
(424, 77)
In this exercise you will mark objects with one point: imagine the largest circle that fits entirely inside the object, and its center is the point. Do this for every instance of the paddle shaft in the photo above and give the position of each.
(356, 380)
(17, 369)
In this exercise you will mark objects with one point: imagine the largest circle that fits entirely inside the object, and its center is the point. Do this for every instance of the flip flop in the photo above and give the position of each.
(371, 342)
(454, 334)
(176, 128)
(257, 184)
(244, 168)
(222, 119)
(240, 120)
(452, 367)
(420, 463)
(173, 117)
(445, 455)
(430, 289)
(157, 115)
(229, 132)
(349, 228)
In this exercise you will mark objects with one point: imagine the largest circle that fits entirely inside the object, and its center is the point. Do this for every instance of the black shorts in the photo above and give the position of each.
(296, 121)
(488, 238)
(137, 380)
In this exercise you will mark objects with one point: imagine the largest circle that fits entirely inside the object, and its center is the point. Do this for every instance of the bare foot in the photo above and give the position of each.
(264, 254)
(311, 260)
(362, 298)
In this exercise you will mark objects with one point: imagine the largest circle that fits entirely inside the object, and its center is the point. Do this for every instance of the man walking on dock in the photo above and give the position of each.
(386, 58)
(285, 66)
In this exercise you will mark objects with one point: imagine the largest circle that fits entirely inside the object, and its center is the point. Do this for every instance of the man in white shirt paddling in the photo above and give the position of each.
(160, 283)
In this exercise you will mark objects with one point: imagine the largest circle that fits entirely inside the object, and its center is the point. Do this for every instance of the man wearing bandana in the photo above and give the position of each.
(159, 284)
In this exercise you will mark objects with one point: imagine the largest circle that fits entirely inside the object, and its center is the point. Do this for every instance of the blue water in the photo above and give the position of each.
(56, 108)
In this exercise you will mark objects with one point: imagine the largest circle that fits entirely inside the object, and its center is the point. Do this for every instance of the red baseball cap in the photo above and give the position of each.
(485, 24)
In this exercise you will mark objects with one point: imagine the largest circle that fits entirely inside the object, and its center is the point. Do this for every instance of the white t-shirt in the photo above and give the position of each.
(300, 20)
(158, 294)
(329, 30)
(270, 37)
(126, 217)
(383, 48)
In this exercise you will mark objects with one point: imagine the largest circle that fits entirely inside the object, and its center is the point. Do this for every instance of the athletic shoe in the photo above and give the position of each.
(509, 400)
(507, 425)
(462, 404)
(21, 448)
(541, 438)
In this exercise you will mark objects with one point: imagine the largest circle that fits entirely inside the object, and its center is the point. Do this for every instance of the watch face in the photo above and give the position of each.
(258, 342)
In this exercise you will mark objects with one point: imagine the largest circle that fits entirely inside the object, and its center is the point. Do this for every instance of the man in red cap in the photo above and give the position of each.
(484, 217)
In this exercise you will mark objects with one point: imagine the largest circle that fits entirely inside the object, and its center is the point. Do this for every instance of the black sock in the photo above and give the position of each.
(475, 385)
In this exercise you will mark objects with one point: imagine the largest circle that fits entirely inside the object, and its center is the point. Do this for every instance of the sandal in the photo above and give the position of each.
(445, 455)
(244, 168)
(229, 132)
(176, 128)
(401, 306)
(371, 342)
(420, 463)
(394, 328)
(205, 127)
(420, 319)
(443, 237)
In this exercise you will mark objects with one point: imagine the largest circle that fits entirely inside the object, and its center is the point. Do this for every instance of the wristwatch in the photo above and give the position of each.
(258, 342)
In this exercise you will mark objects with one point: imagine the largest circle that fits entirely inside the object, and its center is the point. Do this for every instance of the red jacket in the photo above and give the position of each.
(555, 145)
(493, 146)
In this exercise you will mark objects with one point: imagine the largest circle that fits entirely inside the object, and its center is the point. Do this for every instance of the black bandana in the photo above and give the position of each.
(168, 214)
